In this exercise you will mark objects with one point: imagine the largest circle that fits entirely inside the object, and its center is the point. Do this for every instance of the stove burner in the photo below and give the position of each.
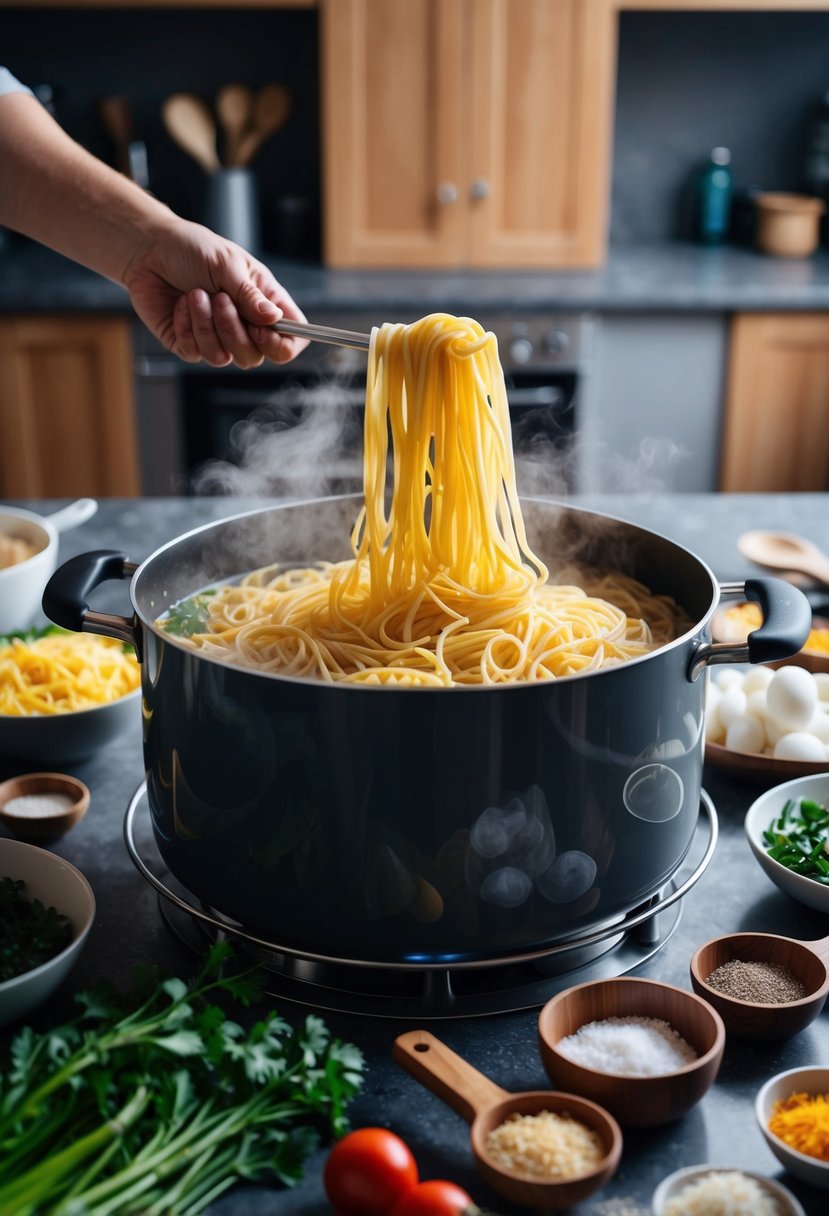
(427, 991)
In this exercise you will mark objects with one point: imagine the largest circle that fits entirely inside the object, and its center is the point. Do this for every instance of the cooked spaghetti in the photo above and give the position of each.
(62, 672)
(443, 588)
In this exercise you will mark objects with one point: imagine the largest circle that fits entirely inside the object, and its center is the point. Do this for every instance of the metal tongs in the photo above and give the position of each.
(322, 333)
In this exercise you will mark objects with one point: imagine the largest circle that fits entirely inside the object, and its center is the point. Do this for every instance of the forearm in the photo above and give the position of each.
(53, 190)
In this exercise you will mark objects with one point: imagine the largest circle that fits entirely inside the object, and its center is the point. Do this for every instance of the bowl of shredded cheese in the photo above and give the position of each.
(64, 695)
(700, 1190)
(792, 1110)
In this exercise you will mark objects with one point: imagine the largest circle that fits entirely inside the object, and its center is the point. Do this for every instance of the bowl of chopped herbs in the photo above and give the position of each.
(46, 911)
(787, 829)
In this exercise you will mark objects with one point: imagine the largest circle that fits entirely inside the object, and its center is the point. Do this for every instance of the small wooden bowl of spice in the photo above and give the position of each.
(792, 1110)
(764, 986)
(538, 1148)
(645, 1051)
(42, 806)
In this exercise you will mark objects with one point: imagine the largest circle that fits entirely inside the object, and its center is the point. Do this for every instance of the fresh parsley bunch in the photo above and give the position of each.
(157, 1102)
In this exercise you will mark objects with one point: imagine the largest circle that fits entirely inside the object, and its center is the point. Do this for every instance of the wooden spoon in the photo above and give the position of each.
(785, 551)
(190, 123)
(809, 961)
(486, 1106)
(234, 106)
(270, 113)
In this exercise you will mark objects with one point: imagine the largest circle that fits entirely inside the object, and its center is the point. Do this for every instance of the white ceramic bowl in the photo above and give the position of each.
(58, 884)
(760, 815)
(49, 740)
(21, 585)
(783, 1085)
(671, 1186)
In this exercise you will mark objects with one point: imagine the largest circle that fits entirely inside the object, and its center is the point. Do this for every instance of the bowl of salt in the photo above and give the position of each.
(42, 806)
(645, 1051)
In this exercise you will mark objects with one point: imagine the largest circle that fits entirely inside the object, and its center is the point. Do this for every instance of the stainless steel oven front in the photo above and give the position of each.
(297, 428)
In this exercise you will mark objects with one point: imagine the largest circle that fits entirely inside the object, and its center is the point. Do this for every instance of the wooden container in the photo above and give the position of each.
(635, 1101)
(788, 225)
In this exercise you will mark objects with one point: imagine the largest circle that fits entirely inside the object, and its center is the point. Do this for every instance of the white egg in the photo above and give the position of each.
(746, 734)
(756, 704)
(819, 726)
(728, 677)
(732, 705)
(791, 697)
(714, 729)
(822, 685)
(774, 730)
(757, 679)
(798, 745)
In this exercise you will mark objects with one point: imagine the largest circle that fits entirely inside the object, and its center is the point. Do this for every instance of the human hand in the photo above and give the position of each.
(206, 298)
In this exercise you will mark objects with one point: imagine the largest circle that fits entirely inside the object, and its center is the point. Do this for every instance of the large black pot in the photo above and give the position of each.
(421, 825)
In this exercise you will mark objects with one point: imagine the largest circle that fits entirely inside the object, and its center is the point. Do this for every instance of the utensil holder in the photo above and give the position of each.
(231, 207)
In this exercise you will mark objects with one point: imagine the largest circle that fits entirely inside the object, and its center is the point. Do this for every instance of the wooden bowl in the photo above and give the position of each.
(42, 827)
(748, 1019)
(635, 1101)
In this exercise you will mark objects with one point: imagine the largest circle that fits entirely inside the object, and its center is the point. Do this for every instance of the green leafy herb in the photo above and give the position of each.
(799, 839)
(30, 934)
(189, 616)
(157, 1102)
(30, 635)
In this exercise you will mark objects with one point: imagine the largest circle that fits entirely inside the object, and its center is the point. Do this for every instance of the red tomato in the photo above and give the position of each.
(367, 1170)
(434, 1198)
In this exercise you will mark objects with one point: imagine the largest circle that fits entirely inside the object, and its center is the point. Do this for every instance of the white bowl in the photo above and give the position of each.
(50, 739)
(21, 585)
(58, 884)
(761, 814)
(669, 1187)
(783, 1085)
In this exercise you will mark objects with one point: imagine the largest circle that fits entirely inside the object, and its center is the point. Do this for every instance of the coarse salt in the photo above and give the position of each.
(38, 806)
(628, 1047)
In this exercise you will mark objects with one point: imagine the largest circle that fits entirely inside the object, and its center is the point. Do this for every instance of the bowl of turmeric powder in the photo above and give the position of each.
(792, 1110)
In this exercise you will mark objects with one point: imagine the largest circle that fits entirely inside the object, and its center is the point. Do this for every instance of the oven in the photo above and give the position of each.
(296, 430)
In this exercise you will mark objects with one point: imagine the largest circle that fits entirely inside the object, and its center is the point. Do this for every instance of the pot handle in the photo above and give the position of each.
(787, 620)
(66, 595)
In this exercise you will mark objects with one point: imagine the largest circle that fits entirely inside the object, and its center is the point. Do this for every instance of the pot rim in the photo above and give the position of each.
(474, 689)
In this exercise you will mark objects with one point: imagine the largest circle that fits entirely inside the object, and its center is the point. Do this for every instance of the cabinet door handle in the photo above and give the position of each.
(447, 193)
(480, 188)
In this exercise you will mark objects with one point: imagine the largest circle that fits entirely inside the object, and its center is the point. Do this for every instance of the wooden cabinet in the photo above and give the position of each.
(67, 416)
(776, 432)
(467, 132)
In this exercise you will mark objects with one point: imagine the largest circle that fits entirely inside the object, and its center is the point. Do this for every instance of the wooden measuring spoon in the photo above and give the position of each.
(190, 123)
(234, 106)
(486, 1106)
(785, 551)
(809, 961)
(270, 113)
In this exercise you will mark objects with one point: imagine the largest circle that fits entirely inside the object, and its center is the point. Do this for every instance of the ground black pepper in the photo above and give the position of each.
(763, 983)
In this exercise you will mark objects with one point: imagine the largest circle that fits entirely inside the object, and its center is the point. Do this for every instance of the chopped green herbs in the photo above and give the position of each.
(189, 616)
(30, 934)
(157, 1102)
(799, 839)
(30, 635)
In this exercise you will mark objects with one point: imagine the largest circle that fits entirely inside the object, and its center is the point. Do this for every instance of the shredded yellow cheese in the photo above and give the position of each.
(802, 1122)
(61, 673)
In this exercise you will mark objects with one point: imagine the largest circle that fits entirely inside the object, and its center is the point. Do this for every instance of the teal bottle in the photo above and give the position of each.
(712, 209)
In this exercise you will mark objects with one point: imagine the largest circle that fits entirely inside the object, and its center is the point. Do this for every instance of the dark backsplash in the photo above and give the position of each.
(686, 82)
(148, 54)
(690, 81)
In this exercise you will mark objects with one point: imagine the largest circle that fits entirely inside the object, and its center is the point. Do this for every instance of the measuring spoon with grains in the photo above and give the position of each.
(763, 985)
(506, 1128)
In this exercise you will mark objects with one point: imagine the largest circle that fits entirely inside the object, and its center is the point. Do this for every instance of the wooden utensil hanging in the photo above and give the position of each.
(271, 108)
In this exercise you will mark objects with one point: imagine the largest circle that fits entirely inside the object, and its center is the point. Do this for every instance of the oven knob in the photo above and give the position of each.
(521, 350)
(557, 341)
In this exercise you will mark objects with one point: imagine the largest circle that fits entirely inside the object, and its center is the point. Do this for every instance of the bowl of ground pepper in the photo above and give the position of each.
(792, 1110)
(764, 986)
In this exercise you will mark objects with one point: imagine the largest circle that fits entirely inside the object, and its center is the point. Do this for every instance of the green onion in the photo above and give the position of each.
(797, 838)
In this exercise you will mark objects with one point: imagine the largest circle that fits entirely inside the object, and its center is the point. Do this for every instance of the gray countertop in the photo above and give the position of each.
(678, 277)
(733, 894)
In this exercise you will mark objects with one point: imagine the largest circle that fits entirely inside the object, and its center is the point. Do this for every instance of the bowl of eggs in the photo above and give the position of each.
(770, 723)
